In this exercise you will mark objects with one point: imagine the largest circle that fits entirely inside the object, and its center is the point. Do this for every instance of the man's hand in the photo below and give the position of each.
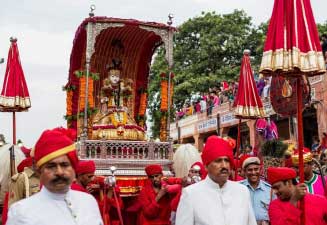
(161, 193)
(90, 188)
(298, 193)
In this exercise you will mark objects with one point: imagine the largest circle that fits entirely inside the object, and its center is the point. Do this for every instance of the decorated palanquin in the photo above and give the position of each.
(107, 98)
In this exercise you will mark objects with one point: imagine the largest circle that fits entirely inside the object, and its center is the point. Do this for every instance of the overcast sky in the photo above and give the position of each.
(45, 31)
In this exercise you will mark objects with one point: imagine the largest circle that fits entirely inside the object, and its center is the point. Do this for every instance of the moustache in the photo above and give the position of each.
(224, 170)
(60, 180)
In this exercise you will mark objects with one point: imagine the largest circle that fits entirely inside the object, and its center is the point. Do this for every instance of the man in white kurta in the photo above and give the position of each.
(205, 203)
(56, 160)
(216, 200)
(45, 207)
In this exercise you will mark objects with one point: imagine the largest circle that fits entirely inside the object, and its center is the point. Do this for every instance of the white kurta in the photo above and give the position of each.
(47, 208)
(205, 203)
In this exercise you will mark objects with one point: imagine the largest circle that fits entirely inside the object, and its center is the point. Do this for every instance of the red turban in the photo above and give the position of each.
(26, 151)
(85, 167)
(55, 143)
(153, 169)
(28, 162)
(216, 147)
(276, 174)
(203, 172)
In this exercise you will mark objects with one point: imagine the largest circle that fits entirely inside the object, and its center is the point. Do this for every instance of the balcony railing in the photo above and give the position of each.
(130, 157)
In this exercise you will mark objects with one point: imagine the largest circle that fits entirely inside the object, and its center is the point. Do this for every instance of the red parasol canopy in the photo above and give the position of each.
(248, 103)
(292, 43)
(14, 96)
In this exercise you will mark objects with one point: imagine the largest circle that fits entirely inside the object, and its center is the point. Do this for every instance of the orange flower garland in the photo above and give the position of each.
(164, 92)
(90, 93)
(82, 86)
(143, 101)
(69, 102)
(164, 95)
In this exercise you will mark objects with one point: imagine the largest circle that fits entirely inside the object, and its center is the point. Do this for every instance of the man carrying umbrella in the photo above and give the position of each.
(312, 180)
(285, 210)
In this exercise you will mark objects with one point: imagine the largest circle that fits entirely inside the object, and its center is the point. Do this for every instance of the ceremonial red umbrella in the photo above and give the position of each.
(14, 95)
(248, 104)
(293, 50)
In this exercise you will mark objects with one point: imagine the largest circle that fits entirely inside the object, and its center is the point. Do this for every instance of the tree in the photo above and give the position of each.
(207, 50)
(322, 28)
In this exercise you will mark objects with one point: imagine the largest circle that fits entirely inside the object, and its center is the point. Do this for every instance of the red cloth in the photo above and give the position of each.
(152, 212)
(14, 95)
(247, 101)
(26, 151)
(284, 213)
(77, 187)
(55, 141)
(4, 215)
(85, 167)
(276, 174)
(28, 162)
(216, 147)
(153, 169)
(108, 208)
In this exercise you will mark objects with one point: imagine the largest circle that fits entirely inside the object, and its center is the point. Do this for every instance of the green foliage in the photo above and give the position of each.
(207, 50)
(322, 28)
(274, 148)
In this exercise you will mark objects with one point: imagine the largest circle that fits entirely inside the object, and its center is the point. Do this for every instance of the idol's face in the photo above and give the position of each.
(219, 170)
(114, 79)
(57, 174)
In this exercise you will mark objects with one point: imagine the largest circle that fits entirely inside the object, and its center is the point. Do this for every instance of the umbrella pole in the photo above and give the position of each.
(14, 128)
(300, 140)
(238, 143)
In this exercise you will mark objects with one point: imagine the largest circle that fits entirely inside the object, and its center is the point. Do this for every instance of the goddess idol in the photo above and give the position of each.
(113, 120)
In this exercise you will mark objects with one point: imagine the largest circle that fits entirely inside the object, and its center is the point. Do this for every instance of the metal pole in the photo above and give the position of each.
(89, 35)
(170, 65)
(168, 117)
(86, 95)
(14, 128)
(299, 87)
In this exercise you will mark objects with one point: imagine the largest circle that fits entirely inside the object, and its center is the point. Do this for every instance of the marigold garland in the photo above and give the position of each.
(143, 101)
(82, 87)
(164, 95)
(164, 92)
(69, 102)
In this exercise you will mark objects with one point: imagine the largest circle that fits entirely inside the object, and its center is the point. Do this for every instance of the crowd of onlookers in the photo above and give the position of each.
(218, 95)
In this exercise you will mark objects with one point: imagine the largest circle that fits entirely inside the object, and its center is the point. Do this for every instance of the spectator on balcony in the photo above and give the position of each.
(215, 98)
(180, 114)
(210, 106)
(203, 103)
(197, 106)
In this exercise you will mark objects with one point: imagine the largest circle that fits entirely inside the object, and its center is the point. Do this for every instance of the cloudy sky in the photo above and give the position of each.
(45, 31)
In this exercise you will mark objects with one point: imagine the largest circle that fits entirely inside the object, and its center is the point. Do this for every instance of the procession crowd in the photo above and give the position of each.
(54, 187)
